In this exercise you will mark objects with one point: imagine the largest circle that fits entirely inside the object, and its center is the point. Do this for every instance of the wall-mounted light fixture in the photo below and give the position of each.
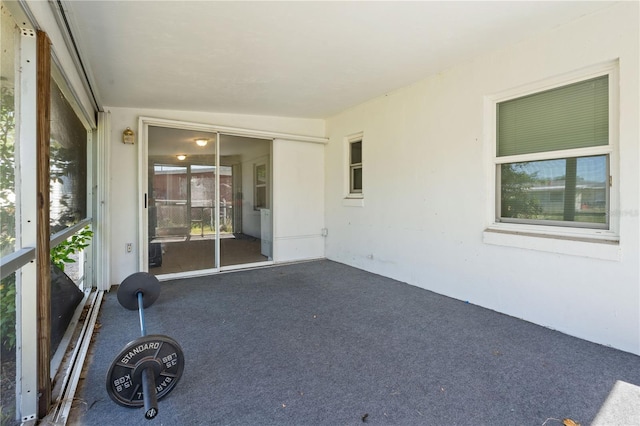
(181, 157)
(202, 142)
(128, 136)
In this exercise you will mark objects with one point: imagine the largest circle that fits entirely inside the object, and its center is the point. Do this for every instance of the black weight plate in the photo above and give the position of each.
(160, 353)
(139, 282)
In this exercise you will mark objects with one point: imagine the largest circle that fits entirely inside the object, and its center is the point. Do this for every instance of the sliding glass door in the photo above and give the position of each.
(206, 211)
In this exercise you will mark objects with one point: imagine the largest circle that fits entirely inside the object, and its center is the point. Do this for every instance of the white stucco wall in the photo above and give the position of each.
(426, 191)
(123, 176)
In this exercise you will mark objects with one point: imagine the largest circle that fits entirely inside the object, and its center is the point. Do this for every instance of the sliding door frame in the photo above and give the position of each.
(143, 148)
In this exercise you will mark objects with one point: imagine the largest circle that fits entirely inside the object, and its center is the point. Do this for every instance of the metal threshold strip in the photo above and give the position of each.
(70, 376)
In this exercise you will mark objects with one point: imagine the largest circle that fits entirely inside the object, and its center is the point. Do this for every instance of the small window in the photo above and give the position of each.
(260, 187)
(553, 156)
(355, 167)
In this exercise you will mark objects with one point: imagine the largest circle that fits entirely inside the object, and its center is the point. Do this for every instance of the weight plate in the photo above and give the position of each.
(139, 282)
(160, 353)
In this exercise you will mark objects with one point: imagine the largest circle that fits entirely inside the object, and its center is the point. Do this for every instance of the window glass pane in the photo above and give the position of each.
(261, 197)
(203, 192)
(260, 183)
(573, 116)
(225, 198)
(7, 135)
(170, 201)
(565, 190)
(8, 326)
(356, 152)
(261, 174)
(9, 354)
(356, 179)
(68, 163)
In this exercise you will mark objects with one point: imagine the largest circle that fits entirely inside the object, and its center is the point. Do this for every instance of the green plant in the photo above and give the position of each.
(7, 216)
(7, 172)
(7, 416)
(516, 198)
(61, 254)
(8, 312)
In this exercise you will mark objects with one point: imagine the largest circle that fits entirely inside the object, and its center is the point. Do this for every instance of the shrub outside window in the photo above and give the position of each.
(553, 156)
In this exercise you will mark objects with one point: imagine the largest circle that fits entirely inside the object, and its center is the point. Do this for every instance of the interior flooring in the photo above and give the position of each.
(199, 253)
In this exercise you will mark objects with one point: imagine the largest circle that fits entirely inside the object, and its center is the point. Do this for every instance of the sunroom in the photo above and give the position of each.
(486, 152)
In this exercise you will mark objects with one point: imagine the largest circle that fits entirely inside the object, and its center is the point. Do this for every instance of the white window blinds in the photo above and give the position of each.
(569, 117)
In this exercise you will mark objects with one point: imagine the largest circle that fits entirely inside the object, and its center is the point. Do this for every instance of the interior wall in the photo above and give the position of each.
(426, 188)
(123, 173)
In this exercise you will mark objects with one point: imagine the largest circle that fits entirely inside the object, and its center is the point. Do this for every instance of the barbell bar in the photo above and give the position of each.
(148, 368)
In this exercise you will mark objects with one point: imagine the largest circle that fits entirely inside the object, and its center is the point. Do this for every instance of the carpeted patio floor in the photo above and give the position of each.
(321, 343)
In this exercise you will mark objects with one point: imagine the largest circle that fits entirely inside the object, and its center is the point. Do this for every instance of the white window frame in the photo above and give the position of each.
(257, 185)
(352, 197)
(547, 237)
(353, 167)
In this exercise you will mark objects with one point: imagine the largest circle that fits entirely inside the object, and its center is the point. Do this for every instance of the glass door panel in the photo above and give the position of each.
(181, 194)
(244, 200)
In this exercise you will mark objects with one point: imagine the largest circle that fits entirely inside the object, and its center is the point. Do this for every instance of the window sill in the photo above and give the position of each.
(576, 242)
(353, 201)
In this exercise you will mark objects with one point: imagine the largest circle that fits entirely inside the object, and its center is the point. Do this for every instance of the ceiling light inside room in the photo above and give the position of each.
(181, 157)
(202, 142)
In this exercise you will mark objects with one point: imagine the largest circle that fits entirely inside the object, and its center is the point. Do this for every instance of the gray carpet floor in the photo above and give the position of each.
(321, 343)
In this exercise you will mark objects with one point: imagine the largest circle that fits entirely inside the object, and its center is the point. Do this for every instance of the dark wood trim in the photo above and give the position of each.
(43, 111)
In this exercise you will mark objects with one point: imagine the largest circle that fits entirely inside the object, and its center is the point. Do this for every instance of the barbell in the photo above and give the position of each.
(148, 368)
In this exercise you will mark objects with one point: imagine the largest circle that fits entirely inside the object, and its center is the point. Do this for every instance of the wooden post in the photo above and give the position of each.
(43, 67)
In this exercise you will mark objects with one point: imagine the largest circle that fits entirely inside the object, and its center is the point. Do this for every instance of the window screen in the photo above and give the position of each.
(68, 164)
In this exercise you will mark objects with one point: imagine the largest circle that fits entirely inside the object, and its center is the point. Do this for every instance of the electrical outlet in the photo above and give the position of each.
(129, 247)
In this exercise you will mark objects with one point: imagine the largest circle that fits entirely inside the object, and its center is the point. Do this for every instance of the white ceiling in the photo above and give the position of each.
(298, 59)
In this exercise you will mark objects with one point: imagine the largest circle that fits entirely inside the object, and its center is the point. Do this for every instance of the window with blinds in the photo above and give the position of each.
(552, 151)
